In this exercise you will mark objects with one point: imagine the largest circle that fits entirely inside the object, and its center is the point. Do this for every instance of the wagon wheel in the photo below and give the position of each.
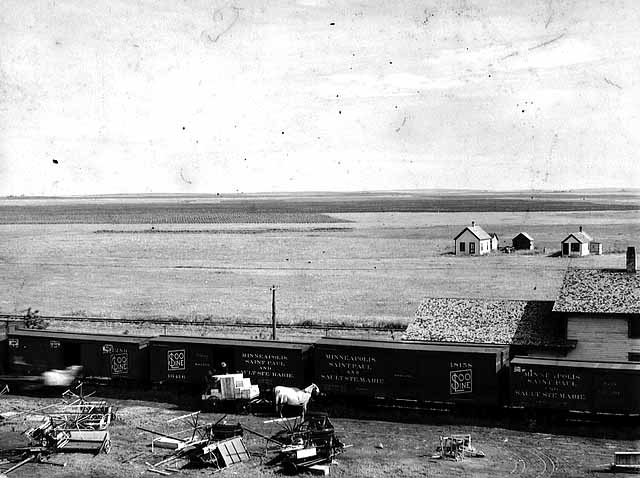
(106, 446)
(243, 407)
(331, 446)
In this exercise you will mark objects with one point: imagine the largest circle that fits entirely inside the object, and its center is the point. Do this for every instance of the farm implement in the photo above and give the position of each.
(216, 445)
(307, 443)
(76, 426)
(457, 447)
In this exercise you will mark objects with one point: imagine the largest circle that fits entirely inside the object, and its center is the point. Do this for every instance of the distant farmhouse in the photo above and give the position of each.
(523, 241)
(472, 241)
(576, 244)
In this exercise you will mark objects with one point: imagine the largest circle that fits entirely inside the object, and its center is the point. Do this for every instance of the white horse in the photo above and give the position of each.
(61, 378)
(294, 396)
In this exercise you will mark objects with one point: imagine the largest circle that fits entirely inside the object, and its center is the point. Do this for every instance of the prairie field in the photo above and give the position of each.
(330, 266)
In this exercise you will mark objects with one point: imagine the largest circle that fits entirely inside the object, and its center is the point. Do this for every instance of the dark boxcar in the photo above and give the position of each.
(424, 371)
(267, 363)
(31, 352)
(573, 385)
(3, 354)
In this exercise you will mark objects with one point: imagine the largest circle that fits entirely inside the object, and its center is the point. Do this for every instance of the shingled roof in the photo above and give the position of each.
(599, 291)
(497, 321)
(477, 231)
(524, 234)
(581, 237)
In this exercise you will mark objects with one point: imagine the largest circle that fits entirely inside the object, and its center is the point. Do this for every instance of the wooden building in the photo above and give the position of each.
(472, 241)
(602, 313)
(576, 244)
(522, 242)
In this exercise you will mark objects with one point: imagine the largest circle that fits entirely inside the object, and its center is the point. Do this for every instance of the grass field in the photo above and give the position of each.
(291, 208)
(407, 448)
(356, 268)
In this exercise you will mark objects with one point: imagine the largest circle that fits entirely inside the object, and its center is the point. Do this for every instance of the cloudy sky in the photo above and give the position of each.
(271, 95)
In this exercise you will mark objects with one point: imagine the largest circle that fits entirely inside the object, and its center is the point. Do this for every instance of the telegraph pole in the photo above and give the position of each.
(273, 312)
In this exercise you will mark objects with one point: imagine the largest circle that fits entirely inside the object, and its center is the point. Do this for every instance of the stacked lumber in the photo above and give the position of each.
(599, 291)
(493, 321)
(233, 386)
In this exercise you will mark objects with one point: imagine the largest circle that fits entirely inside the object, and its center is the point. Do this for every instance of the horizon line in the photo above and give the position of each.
(632, 190)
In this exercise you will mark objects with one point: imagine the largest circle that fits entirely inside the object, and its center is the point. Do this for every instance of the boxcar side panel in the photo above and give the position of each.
(356, 371)
(4, 355)
(270, 367)
(616, 391)
(562, 388)
(115, 360)
(456, 377)
(34, 355)
(185, 362)
(436, 375)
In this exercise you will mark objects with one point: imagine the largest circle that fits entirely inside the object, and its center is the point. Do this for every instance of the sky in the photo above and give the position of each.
(193, 96)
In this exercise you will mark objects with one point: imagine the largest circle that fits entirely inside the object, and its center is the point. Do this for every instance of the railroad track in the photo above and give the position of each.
(534, 462)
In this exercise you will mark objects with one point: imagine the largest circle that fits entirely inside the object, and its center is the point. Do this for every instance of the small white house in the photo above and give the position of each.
(576, 244)
(472, 241)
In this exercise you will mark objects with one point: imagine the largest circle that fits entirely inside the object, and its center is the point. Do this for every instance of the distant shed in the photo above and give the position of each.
(523, 241)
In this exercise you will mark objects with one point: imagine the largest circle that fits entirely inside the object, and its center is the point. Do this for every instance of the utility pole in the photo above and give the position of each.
(273, 311)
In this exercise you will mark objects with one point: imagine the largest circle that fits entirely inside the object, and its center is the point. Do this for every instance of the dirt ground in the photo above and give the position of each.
(406, 447)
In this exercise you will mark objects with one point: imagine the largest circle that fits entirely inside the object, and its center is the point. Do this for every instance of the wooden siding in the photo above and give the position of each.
(602, 339)
(468, 237)
(584, 247)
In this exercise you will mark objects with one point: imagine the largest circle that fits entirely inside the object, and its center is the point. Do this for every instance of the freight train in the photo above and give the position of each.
(451, 374)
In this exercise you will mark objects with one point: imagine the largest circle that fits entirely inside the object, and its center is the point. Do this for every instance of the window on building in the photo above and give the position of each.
(575, 247)
(472, 248)
(634, 356)
(462, 247)
(634, 327)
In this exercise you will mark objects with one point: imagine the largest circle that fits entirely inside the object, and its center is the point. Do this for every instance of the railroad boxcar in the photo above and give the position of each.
(176, 359)
(3, 353)
(601, 387)
(421, 371)
(31, 352)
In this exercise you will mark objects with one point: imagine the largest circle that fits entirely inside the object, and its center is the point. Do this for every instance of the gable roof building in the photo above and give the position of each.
(602, 311)
(576, 244)
(472, 240)
(522, 241)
